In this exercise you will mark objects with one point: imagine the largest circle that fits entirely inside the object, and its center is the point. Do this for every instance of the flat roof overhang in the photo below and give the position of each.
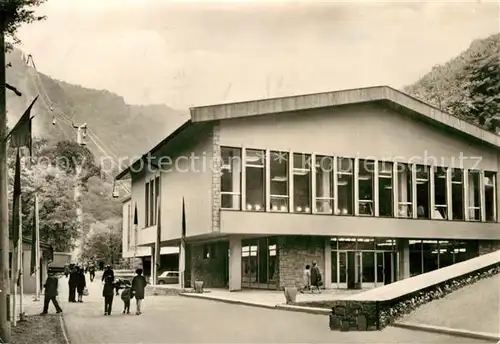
(379, 94)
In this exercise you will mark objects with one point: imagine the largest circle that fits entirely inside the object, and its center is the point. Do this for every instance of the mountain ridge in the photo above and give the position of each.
(116, 129)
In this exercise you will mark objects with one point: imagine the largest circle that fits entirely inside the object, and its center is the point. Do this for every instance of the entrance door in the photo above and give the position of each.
(349, 267)
(388, 270)
(387, 267)
(259, 263)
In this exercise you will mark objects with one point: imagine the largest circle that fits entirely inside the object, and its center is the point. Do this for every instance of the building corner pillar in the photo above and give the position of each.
(403, 247)
(153, 266)
(235, 251)
(328, 264)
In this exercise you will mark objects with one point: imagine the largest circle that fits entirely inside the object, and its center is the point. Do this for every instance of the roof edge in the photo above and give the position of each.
(170, 137)
(339, 98)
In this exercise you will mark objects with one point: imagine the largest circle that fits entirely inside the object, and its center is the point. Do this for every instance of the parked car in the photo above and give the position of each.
(168, 277)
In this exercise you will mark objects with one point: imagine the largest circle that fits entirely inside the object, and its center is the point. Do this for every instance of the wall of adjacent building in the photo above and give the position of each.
(189, 175)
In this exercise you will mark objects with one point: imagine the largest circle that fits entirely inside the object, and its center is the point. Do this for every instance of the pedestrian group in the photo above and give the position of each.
(111, 287)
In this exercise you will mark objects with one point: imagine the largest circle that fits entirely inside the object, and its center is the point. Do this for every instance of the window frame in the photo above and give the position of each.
(309, 172)
(372, 177)
(242, 167)
(288, 182)
(263, 167)
(493, 176)
(467, 192)
(333, 184)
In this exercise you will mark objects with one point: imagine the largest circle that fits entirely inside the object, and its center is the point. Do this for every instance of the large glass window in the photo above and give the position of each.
(415, 257)
(368, 271)
(457, 194)
(279, 181)
(423, 186)
(152, 205)
(385, 192)
(231, 178)
(440, 192)
(302, 183)
(489, 195)
(366, 170)
(405, 195)
(324, 185)
(430, 254)
(345, 186)
(474, 205)
(255, 180)
(446, 253)
(152, 194)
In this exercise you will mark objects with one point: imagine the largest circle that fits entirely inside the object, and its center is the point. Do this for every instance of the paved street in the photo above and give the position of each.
(175, 319)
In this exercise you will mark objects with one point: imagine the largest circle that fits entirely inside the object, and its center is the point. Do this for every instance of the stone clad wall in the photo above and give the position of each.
(216, 177)
(213, 271)
(295, 252)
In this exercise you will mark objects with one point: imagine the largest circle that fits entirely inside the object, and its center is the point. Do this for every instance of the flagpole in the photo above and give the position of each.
(182, 248)
(14, 283)
(20, 260)
(37, 250)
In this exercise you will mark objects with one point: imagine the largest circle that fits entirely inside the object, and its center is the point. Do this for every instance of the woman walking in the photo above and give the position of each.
(138, 286)
(81, 283)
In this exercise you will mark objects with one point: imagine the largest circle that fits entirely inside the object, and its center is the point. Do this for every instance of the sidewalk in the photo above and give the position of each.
(267, 298)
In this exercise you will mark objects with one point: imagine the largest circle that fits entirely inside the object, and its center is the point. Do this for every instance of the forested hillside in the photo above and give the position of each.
(467, 86)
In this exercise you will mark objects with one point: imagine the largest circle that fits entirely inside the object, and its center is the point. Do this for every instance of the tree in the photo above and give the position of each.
(57, 207)
(467, 86)
(69, 156)
(14, 13)
(104, 242)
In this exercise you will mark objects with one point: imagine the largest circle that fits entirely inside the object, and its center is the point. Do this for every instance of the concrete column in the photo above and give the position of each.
(153, 265)
(328, 264)
(234, 263)
(403, 247)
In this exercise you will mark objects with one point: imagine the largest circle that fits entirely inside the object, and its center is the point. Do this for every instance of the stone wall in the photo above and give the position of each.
(212, 271)
(354, 316)
(216, 177)
(295, 252)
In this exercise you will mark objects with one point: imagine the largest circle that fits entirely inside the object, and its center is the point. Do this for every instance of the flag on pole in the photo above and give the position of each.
(16, 201)
(34, 240)
(20, 135)
(136, 220)
(158, 240)
(183, 234)
(182, 250)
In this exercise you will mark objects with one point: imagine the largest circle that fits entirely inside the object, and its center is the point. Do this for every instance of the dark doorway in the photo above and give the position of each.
(351, 270)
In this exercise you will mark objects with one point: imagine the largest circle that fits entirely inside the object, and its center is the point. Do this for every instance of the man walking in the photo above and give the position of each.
(108, 272)
(51, 286)
(72, 283)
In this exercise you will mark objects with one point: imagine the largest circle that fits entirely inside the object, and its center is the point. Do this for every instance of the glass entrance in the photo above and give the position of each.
(349, 268)
(259, 263)
(363, 263)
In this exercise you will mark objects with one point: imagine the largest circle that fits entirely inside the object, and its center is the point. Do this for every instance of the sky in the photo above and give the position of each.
(186, 54)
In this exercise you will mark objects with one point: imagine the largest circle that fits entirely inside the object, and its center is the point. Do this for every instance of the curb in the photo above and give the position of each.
(234, 302)
(309, 310)
(64, 329)
(449, 331)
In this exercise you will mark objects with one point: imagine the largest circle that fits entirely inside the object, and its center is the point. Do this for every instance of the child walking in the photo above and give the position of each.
(126, 296)
(138, 285)
(108, 293)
